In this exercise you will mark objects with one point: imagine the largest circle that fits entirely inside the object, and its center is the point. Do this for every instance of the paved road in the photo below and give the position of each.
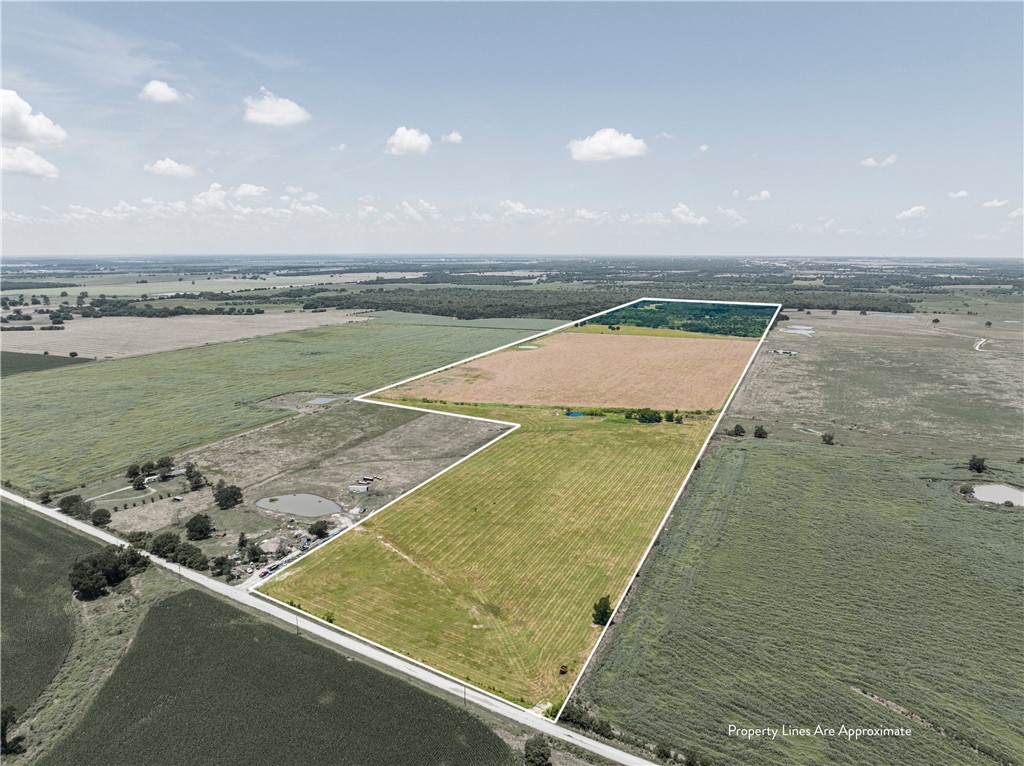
(354, 646)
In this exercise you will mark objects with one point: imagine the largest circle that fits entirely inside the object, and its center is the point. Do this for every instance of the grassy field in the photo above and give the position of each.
(218, 686)
(13, 362)
(529, 325)
(663, 332)
(490, 572)
(891, 382)
(116, 337)
(37, 619)
(792, 574)
(80, 424)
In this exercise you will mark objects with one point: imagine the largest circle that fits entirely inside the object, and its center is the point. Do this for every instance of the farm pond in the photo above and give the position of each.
(301, 504)
(999, 493)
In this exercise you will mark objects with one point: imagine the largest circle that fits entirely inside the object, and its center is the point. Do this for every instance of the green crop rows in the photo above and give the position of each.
(791, 574)
(205, 683)
(38, 624)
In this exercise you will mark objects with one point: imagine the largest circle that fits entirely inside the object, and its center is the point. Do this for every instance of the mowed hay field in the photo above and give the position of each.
(490, 572)
(204, 682)
(116, 337)
(900, 382)
(36, 612)
(792, 575)
(593, 370)
(81, 423)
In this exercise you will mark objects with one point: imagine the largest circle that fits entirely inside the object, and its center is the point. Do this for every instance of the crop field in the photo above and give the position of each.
(900, 382)
(794, 577)
(219, 686)
(82, 423)
(490, 572)
(12, 362)
(400, 317)
(593, 370)
(116, 337)
(36, 616)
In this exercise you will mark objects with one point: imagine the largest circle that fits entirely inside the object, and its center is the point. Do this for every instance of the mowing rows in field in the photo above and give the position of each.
(36, 615)
(490, 572)
(791, 574)
(219, 686)
(67, 426)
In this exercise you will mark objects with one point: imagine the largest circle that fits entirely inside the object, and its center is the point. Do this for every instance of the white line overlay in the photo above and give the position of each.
(511, 428)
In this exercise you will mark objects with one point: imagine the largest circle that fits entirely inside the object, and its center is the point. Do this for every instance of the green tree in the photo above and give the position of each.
(165, 462)
(253, 553)
(73, 354)
(537, 751)
(87, 579)
(976, 464)
(319, 528)
(603, 610)
(988, 324)
(191, 556)
(243, 541)
(227, 495)
(199, 527)
(760, 432)
(164, 545)
(663, 751)
(100, 517)
(828, 438)
(220, 566)
(139, 482)
(148, 468)
(737, 430)
(132, 472)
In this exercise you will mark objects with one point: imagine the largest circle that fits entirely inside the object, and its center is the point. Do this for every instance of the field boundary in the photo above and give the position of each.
(512, 427)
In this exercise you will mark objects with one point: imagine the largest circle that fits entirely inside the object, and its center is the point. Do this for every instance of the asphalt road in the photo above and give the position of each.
(355, 646)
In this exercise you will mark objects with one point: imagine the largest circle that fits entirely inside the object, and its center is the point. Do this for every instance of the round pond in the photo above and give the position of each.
(999, 493)
(300, 505)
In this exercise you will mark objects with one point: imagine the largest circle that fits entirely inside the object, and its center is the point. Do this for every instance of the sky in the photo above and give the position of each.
(809, 129)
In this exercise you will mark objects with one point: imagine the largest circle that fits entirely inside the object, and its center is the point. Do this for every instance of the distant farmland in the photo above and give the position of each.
(792, 575)
(219, 686)
(12, 362)
(82, 423)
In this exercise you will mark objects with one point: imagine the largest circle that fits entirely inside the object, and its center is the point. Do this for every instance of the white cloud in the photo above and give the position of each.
(822, 225)
(592, 216)
(411, 212)
(409, 141)
(761, 196)
(683, 214)
(21, 126)
(482, 217)
(735, 193)
(160, 92)
(452, 138)
(251, 191)
(168, 167)
(339, 148)
(917, 211)
(850, 232)
(421, 211)
(273, 110)
(606, 144)
(1019, 212)
(26, 162)
(214, 198)
(733, 215)
(995, 203)
(664, 136)
(871, 162)
(517, 210)
(957, 194)
(703, 148)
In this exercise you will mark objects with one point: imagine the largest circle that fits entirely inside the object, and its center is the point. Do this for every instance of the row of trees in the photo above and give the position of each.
(92, 575)
(760, 432)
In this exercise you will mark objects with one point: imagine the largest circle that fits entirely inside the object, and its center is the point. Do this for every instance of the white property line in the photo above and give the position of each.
(253, 589)
(361, 647)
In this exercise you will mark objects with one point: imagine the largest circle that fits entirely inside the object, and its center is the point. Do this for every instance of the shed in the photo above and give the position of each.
(358, 487)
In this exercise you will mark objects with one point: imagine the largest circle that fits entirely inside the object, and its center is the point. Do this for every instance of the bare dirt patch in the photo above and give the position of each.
(582, 370)
(115, 337)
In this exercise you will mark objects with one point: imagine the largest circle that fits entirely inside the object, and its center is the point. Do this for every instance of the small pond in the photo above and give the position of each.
(323, 400)
(300, 505)
(999, 493)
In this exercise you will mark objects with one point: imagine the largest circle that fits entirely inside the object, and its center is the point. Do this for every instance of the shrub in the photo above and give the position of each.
(828, 438)
(976, 464)
(760, 432)
(737, 430)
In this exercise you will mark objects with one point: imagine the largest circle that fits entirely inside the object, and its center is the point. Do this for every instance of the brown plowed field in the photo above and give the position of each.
(580, 370)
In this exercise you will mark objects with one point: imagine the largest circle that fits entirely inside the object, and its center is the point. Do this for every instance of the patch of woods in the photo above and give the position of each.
(713, 318)
(93, 575)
